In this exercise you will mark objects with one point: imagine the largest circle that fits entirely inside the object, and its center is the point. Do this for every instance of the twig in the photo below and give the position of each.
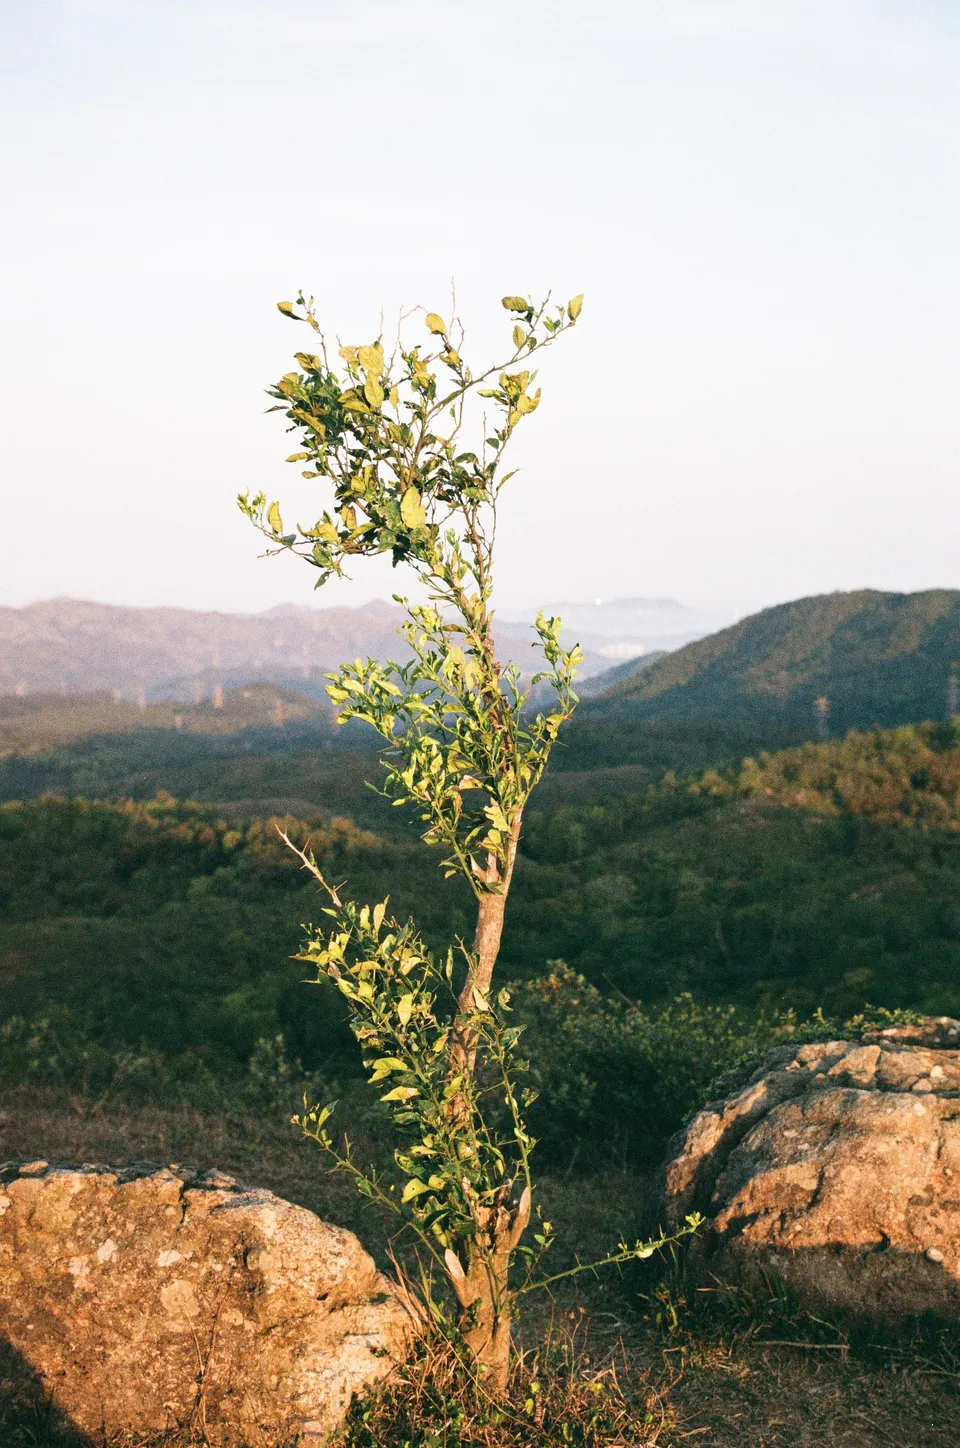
(808, 1346)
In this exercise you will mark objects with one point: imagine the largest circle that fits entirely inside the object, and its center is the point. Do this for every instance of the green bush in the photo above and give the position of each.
(616, 1080)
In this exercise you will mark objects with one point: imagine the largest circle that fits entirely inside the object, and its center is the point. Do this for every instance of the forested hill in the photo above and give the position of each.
(875, 658)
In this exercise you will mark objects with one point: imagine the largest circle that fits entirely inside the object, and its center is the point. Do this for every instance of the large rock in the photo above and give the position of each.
(146, 1298)
(836, 1170)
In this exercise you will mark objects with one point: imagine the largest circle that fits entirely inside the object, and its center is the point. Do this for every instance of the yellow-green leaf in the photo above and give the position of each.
(378, 913)
(574, 306)
(399, 1093)
(404, 1009)
(287, 309)
(515, 304)
(308, 361)
(274, 519)
(371, 359)
(519, 336)
(411, 509)
(298, 457)
(435, 324)
(413, 1188)
(372, 391)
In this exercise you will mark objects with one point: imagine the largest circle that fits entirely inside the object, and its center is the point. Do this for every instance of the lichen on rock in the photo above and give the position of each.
(835, 1171)
(145, 1297)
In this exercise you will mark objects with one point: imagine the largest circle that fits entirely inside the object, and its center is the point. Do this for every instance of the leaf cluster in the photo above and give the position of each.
(384, 432)
(465, 752)
(463, 1144)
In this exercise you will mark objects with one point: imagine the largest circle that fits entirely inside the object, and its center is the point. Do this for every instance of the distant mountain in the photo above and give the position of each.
(71, 646)
(817, 666)
(626, 628)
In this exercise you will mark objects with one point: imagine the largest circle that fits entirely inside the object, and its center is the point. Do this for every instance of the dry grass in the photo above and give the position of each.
(606, 1374)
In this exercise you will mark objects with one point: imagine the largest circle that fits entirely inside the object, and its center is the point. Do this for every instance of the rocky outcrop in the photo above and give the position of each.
(836, 1171)
(145, 1298)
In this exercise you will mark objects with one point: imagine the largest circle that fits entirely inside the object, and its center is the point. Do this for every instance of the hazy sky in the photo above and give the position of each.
(759, 199)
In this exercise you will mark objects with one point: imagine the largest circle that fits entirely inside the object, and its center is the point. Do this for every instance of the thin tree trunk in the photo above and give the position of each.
(485, 1324)
(486, 941)
(483, 1289)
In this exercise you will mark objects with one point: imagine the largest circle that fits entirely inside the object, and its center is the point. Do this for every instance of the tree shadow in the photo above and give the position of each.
(28, 1417)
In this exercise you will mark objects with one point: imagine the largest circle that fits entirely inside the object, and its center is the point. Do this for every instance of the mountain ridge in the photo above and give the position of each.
(874, 657)
(80, 646)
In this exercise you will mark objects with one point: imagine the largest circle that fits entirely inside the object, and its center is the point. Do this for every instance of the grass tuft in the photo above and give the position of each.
(559, 1394)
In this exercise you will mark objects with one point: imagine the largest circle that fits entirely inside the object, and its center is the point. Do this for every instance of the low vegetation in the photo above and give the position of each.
(150, 942)
(660, 937)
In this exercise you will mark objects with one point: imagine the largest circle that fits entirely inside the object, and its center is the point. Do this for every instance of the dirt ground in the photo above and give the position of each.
(745, 1386)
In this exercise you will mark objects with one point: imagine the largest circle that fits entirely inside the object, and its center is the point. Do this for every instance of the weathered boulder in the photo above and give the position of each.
(835, 1170)
(145, 1298)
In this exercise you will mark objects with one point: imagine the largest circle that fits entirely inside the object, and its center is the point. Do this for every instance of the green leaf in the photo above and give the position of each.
(515, 304)
(435, 324)
(274, 519)
(411, 509)
(574, 306)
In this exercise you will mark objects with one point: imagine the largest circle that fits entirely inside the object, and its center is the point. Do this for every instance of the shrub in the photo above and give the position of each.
(616, 1080)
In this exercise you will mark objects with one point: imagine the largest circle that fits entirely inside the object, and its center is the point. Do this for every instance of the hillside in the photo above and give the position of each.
(870, 657)
(824, 876)
(38, 723)
(266, 746)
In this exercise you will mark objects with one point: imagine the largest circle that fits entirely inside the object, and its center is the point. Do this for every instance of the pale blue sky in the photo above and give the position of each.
(760, 200)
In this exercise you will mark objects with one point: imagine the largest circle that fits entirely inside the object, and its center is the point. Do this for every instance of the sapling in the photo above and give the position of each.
(464, 748)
